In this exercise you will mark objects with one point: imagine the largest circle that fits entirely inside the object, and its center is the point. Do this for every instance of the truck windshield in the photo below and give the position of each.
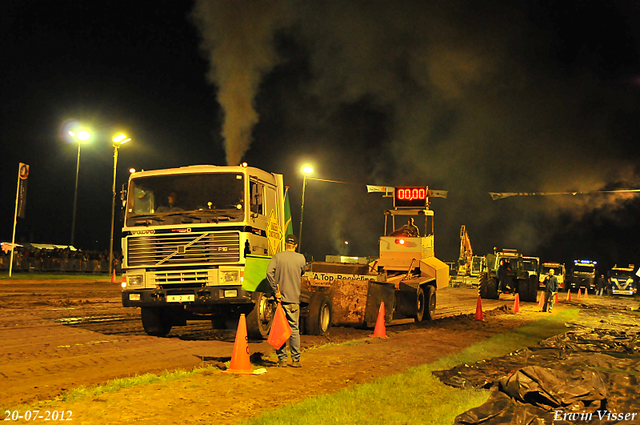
(622, 274)
(179, 198)
(557, 270)
(584, 268)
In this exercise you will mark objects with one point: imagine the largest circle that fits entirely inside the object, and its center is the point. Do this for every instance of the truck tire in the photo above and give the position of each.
(156, 321)
(430, 305)
(488, 287)
(526, 290)
(421, 305)
(261, 315)
(318, 320)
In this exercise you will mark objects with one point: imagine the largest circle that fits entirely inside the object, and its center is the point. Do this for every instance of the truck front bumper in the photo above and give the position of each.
(208, 295)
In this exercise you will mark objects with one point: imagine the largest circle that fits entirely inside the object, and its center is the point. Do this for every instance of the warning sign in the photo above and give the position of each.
(274, 234)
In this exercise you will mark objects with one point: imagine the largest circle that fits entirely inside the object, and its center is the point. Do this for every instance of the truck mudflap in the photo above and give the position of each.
(201, 296)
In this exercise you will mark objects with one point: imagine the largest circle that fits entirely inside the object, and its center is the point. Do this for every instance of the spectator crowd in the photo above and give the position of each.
(28, 258)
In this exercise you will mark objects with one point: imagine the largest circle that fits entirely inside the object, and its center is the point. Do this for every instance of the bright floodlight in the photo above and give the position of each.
(121, 138)
(84, 135)
(307, 169)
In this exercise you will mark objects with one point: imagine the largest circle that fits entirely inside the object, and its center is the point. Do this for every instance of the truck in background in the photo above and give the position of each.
(583, 275)
(622, 281)
(532, 266)
(519, 280)
(184, 259)
(560, 273)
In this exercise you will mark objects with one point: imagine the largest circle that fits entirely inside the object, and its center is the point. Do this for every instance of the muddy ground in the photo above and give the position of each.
(60, 334)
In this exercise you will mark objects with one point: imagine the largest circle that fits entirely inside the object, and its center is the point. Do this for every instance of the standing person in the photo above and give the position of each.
(502, 276)
(284, 273)
(600, 285)
(551, 287)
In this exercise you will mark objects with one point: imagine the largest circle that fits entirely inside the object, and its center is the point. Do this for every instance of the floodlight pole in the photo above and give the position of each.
(75, 198)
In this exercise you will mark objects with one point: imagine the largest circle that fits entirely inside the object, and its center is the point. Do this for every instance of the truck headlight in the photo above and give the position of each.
(135, 280)
(230, 276)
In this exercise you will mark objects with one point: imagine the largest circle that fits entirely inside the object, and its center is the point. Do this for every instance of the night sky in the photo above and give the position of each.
(469, 97)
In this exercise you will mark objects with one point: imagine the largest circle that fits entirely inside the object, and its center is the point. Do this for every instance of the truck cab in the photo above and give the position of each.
(583, 275)
(187, 234)
(532, 265)
(559, 271)
(622, 281)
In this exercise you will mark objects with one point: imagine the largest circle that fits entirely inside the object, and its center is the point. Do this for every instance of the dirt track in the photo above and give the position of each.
(59, 334)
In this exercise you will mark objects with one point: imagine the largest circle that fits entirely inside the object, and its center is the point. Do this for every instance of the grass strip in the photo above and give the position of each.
(416, 396)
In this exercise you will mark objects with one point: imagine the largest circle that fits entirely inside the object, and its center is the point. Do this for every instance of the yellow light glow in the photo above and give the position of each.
(307, 169)
(84, 135)
(132, 170)
(121, 138)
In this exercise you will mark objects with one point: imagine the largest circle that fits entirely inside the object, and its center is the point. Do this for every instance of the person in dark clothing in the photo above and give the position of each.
(551, 288)
(503, 276)
(601, 283)
(283, 273)
(172, 204)
(411, 228)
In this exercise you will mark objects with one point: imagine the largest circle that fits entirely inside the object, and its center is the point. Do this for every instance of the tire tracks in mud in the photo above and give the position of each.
(59, 336)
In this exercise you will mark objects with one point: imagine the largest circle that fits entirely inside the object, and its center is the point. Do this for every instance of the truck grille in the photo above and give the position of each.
(183, 249)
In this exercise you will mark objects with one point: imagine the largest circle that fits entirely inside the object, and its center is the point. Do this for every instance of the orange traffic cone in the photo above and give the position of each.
(579, 293)
(479, 315)
(516, 304)
(113, 276)
(542, 298)
(586, 292)
(555, 300)
(568, 295)
(240, 364)
(380, 331)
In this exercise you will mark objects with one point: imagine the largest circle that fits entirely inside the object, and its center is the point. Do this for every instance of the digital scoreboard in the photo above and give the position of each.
(410, 197)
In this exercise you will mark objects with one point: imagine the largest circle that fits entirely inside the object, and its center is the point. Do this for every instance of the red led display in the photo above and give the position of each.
(414, 197)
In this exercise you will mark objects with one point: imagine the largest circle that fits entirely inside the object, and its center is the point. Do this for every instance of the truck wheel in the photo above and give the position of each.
(488, 287)
(318, 321)
(156, 321)
(420, 305)
(430, 305)
(525, 291)
(260, 317)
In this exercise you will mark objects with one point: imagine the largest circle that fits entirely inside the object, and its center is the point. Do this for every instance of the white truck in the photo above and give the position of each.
(184, 258)
(559, 271)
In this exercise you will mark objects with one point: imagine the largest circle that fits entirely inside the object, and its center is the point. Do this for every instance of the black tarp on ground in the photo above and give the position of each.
(576, 377)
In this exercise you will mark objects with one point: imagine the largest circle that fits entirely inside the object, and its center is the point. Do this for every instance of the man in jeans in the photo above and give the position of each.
(284, 273)
(551, 287)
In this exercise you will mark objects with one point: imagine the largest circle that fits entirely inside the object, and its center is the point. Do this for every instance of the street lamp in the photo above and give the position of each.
(80, 136)
(118, 141)
(305, 171)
